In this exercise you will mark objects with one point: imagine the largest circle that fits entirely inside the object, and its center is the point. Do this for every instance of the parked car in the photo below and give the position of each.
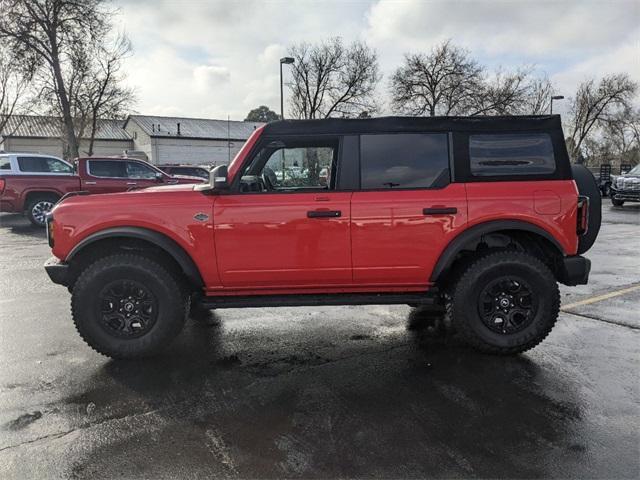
(479, 216)
(189, 170)
(626, 187)
(32, 183)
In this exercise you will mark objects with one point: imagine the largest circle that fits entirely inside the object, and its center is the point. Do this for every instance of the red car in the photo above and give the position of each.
(32, 183)
(480, 216)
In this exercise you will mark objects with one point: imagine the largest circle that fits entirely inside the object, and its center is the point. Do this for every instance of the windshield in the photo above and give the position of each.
(635, 170)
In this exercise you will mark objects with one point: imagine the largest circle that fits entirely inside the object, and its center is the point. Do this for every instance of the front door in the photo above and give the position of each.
(284, 226)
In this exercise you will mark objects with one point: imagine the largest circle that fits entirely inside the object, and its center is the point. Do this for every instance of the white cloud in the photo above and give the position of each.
(210, 76)
(220, 57)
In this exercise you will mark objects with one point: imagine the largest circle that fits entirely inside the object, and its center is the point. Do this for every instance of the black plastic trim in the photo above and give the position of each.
(455, 246)
(187, 265)
(304, 300)
(58, 271)
(575, 270)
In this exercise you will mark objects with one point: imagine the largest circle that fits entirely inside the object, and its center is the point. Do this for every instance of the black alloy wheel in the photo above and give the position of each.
(127, 309)
(507, 305)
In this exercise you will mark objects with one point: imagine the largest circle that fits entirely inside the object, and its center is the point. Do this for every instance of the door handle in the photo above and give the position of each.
(89, 183)
(131, 183)
(440, 211)
(324, 213)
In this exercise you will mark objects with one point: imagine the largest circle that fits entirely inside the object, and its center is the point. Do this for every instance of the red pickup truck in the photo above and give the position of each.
(32, 183)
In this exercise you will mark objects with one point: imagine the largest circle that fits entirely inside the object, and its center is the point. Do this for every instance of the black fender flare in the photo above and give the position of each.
(158, 239)
(455, 246)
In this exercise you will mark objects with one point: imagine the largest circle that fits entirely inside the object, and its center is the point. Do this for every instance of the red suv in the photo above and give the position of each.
(481, 216)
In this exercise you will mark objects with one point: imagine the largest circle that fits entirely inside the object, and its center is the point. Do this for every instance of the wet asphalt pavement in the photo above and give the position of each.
(322, 392)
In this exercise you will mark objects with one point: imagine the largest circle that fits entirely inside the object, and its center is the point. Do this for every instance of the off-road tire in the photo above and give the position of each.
(169, 292)
(587, 186)
(464, 310)
(43, 199)
(617, 203)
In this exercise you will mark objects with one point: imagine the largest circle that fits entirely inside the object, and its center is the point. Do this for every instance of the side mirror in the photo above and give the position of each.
(159, 177)
(218, 178)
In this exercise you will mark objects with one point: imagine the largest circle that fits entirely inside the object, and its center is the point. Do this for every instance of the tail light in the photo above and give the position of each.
(583, 215)
(2, 184)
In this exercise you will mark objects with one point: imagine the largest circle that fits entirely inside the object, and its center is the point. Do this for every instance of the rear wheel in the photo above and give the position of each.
(128, 306)
(38, 207)
(617, 203)
(505, 302)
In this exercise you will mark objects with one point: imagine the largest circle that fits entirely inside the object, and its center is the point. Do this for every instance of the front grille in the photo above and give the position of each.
(632, 184)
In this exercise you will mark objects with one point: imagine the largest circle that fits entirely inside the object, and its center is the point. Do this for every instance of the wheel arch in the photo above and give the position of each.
(44, 192)
(161, 241)
(474, 234)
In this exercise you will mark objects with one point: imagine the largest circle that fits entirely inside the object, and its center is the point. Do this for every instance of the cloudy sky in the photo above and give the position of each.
(220, 57)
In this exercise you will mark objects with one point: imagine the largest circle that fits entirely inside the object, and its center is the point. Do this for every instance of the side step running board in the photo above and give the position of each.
(430, 299)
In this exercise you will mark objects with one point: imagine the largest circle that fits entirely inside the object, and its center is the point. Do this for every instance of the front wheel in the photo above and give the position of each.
(505, 302)
(128, 306)
(617, 203)
(38, 207)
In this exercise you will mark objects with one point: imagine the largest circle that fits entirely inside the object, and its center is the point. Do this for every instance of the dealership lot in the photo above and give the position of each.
(322, 392)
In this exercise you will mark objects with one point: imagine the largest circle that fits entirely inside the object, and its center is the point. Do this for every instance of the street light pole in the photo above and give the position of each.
(288, 61)
(555, 97)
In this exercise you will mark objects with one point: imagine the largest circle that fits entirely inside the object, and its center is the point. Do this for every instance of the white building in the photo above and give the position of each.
(162, 139)
(41, 134)
(187, 140)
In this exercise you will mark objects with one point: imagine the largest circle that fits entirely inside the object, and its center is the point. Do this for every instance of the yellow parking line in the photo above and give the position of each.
(599, 298)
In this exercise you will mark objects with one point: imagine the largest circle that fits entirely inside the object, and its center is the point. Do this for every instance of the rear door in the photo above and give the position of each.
(282, 227)
(407, 209)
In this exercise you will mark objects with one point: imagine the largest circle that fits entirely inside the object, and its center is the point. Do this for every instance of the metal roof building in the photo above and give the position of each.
(43, 134)
(162, 139)
(195, 141)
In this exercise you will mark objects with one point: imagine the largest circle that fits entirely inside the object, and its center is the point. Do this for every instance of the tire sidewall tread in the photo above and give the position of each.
(466, 319)
(172, 297)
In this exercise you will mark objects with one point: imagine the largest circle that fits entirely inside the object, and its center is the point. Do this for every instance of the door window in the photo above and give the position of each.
(405, 160)
(140, 171)
(43, 165)
(107, 168)
(297, 166)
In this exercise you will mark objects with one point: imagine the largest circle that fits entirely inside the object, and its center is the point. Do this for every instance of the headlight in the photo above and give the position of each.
(619, 182)
(49, 226)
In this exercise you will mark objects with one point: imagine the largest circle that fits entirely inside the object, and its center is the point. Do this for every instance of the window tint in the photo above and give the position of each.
(407, 160)
(282, 168)
(5, 163)
(42, 165)
(139, 170)
(108, 168)
(511, 154)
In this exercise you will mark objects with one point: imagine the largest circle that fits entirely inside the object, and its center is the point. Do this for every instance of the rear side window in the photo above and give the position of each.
(511, 154)
(108, 168)
(42, 165)
(406, 160)
(5, 163)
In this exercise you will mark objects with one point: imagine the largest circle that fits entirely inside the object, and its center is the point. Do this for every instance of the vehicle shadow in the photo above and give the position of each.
(19, 225)
(415, 405)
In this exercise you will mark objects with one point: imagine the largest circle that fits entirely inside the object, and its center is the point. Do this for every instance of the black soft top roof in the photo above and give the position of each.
(414, 124)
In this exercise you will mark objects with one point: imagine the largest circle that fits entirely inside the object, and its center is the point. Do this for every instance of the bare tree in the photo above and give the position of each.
(47, 34)
(14, 84)
(538, 100)
(442, 82)
(595, 104)
(103, 93)
(503, 93)
(447, 81)
(331, 80)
